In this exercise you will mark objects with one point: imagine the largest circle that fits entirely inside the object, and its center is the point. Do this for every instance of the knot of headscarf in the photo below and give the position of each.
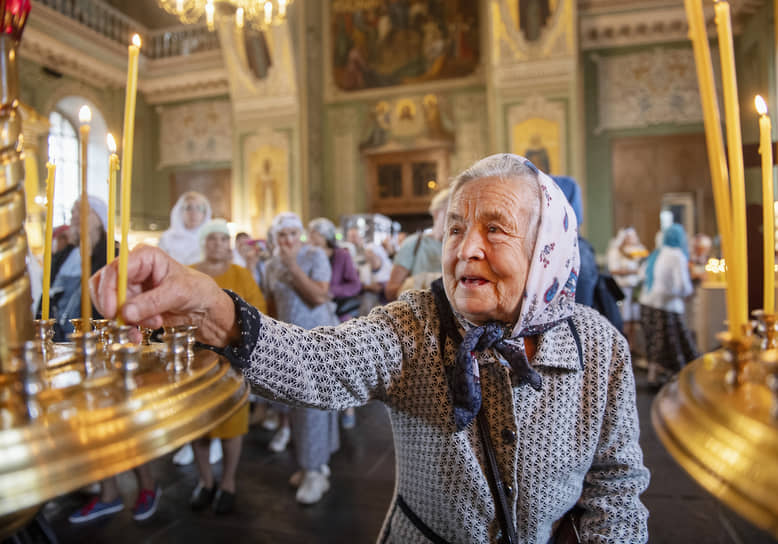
(463, 375)
(465, 384)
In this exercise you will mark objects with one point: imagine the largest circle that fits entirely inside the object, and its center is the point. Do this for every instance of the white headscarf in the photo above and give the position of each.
(284, 220)
(179, 242)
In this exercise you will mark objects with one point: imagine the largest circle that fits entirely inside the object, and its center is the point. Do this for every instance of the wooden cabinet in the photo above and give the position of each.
(403, 182)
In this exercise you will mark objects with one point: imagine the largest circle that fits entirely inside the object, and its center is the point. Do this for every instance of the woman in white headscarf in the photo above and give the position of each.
(182, 240)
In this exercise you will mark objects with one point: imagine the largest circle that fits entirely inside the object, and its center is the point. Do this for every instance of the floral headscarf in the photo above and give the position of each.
(549, 294)
(549, 297)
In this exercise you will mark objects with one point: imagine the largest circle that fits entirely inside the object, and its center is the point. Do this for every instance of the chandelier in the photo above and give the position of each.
(258, 14)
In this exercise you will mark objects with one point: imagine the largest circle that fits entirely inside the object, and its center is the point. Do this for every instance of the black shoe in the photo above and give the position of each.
(201, 497)
(224, 502)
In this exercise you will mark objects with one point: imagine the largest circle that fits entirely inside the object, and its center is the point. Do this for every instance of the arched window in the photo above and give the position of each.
(64, 152)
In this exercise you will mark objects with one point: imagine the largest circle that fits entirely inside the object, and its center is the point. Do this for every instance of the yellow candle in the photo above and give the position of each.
(47, 240)
(129, 134)
(113, 167)
(738, 263)
(714, 140)
(85, 116)
(768, 197)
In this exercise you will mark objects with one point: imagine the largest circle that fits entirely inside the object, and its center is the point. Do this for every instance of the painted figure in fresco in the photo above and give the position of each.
(438, 127)
(538, 154)
(378, 126)
(391, 42)
(266, 191)
(533, 16)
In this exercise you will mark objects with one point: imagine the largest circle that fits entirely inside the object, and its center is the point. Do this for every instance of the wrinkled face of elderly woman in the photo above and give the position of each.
(217, 247)
(491, 227)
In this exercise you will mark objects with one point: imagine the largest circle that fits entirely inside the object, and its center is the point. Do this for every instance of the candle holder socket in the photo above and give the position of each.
(86, 349)
(128, 357)
(80, 324)
(44, 332)
(120, 334)
(176, 342)
(146, 334)
(738, 353)
(33, 381)
(101, 327)
(768, 328)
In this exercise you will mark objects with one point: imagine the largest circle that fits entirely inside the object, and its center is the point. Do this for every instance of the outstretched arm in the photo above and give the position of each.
(163, 292)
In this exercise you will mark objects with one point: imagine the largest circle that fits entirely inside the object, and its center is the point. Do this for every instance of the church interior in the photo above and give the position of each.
(347, 108)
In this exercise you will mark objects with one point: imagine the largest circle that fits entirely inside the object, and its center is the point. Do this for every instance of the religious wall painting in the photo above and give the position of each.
(408, 122)
(267, 186)
(379, 43)
(538, 140)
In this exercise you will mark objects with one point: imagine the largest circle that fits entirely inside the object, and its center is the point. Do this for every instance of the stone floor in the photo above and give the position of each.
(362, 483)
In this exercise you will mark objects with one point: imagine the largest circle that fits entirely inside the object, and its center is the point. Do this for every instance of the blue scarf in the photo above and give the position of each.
(463, 383)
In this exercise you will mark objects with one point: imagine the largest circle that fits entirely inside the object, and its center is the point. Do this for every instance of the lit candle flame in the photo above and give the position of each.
(282, 8)
(111, 143)
(136, 40)
(761, 105)
(84, 115)
(179, 5)
(239, 18)
(268, 12)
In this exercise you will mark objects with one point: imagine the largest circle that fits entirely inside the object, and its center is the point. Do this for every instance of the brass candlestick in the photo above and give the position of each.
(768, 328)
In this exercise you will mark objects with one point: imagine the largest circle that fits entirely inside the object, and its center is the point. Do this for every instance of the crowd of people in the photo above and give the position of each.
(467, 331)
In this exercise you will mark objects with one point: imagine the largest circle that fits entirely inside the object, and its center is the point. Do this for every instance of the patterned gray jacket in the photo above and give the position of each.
(575, 441)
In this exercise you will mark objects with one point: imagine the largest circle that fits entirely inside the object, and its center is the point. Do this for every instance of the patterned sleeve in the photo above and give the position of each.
(617, 477)
(329, 368)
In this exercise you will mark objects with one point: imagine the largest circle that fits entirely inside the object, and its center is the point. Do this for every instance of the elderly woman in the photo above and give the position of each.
(298, 282)
(510, 404)
(217, 263)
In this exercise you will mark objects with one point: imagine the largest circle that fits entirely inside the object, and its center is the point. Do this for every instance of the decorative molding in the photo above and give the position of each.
(538, 107)
(647, 88)
(666, 24)
(40, 47)
(602, 26)
(535, 74)
(195, 133)
(204, 76)
(73, 49)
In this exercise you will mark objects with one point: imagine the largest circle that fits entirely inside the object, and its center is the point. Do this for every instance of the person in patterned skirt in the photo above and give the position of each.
(669, 342)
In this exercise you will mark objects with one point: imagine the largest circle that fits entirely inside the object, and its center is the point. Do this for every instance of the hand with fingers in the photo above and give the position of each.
(163, 292)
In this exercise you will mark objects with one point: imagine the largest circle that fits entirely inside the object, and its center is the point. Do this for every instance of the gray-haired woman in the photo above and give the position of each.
(510, 404)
